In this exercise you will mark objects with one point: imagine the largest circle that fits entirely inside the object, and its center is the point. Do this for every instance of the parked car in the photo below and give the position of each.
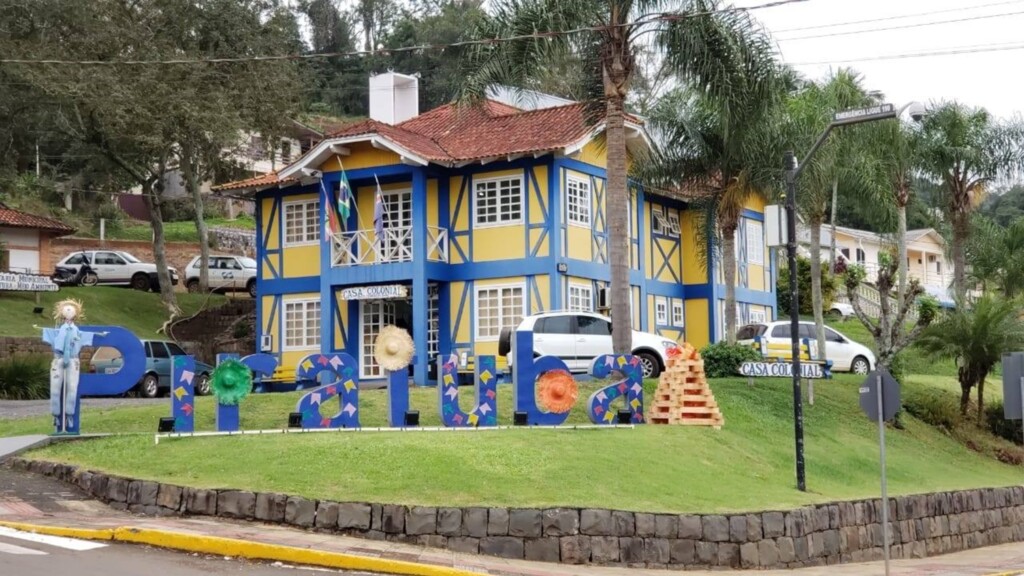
(113, 267)
(227, 274)
(579, 337)
(841, 309)
(157, 378)
(845, 354)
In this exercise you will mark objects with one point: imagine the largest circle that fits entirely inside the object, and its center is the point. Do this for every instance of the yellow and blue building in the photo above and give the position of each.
(490, 214)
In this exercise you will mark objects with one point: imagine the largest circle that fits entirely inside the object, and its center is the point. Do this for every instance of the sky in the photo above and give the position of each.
(989, 79)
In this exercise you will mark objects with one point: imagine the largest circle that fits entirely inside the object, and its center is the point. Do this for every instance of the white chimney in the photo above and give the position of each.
(394, 98)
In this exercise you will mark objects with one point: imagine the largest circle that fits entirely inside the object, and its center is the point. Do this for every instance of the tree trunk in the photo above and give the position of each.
(965, 398)
(832, 221)
(961, 230)
(816, 297)
(618, 239)
(981, 402)
(901, 249)
(729, 276)
(151, 195)
(190, 170)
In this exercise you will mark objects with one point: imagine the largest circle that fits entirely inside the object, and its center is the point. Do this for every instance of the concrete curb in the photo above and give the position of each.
(242, 549)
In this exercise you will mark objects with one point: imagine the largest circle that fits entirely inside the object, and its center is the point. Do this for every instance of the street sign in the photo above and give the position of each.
(890, 395)
(879, 110)
(1013, 385)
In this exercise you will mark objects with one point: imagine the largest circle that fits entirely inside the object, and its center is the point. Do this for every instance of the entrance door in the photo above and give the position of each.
(376, 314)
(396, 245)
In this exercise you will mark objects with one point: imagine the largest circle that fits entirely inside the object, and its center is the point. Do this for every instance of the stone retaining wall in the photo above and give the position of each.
(923, 525)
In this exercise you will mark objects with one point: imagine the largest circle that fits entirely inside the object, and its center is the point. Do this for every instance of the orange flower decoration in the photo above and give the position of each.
(557, 391)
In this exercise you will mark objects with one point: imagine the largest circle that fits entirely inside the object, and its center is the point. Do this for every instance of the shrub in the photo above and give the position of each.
(803, 270)
(25, 378)
(1008, 429)
(722, 360)
(939, 408)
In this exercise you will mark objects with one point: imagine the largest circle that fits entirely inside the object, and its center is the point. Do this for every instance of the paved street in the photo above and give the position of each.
(29, 554)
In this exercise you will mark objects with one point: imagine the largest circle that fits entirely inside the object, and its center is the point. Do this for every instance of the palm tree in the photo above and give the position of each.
(996, 255)
(976, 334)
(706, 47)
(966, 149)
(722, 156)
(839, 164)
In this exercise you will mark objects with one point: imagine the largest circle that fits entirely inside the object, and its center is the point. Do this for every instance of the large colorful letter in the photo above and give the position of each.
(345, 387)
(183, 393)
(398, 397)
(526, 370)
(599, 406)
(133, 363)
(229, 416)
(485, 411)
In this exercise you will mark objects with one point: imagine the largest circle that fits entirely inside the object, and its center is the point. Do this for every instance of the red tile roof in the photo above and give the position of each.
(255, 182)
(18, 219)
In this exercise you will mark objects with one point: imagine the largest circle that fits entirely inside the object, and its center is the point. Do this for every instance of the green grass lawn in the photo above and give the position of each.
(173, 231)
(140, 312)
(747, 465)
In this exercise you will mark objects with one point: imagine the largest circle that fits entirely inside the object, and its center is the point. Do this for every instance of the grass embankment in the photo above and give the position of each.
(173, 231)
(140, 312)
(747, 465)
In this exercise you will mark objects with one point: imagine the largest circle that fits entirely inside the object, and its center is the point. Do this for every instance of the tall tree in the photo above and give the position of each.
(838, 165)
(996, 255)
(966, 149)
(705, 46)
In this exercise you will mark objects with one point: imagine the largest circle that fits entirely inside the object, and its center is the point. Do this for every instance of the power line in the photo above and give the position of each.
(662, 17)
(902, 26)
(947, 52)
(900, 17)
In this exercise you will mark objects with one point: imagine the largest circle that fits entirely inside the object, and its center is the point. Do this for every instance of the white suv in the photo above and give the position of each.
(845, 354)
(579, 337)
(227, 273)
(116, 267)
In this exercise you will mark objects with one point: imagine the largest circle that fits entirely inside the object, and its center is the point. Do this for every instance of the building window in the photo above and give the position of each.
(677, 313)
(286, 151)
(302, 222)
(581, 298)
(660, 312)
(498, 307)
(673, 222)
(499, 201)
(577, 203)
(755, 242)
(302, 325)
(861, 256)
(657, 220)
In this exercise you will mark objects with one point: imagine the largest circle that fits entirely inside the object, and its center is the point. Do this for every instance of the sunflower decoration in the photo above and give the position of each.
(557, 391)
(231, 382)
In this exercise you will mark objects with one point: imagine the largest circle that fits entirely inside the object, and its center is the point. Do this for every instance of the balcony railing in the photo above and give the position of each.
(394, 245)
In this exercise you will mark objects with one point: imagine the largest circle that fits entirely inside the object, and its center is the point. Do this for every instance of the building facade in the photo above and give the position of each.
(487, 215)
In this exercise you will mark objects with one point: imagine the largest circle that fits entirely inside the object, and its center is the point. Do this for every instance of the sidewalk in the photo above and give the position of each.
(982, 561)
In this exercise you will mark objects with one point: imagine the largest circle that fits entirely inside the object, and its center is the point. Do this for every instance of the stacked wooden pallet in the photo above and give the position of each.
(683, 396)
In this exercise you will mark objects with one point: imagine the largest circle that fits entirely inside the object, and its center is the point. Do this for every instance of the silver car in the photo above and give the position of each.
(227, 274)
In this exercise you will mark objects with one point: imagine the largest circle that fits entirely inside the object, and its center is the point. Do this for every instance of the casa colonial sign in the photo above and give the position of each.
(375, 292)
(810, 370)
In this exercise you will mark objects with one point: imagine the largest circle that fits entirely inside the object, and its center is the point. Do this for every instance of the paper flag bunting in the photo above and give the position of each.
(180, 392)
(335, 362)
(187, 409)
(452, 392)
(187, 376)
(322, 360)
(315, 398)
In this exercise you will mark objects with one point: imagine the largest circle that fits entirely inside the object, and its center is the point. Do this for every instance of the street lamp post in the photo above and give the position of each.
(793, 171)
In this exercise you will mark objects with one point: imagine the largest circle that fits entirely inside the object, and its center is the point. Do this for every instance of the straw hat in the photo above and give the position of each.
(394, 348)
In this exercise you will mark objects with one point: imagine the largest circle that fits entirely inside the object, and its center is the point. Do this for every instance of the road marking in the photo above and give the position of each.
(58, 541)
(12, 549)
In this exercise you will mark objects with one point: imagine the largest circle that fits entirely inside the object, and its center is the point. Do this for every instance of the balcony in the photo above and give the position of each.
(394, 245)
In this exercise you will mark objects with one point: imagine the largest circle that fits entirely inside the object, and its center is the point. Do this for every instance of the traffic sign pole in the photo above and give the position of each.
(885, 493)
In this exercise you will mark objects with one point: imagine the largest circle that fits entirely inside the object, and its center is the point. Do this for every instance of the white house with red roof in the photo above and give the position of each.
(25, 241)
(486, 214)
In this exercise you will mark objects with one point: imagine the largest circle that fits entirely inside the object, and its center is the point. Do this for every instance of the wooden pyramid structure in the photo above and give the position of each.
(683, 395)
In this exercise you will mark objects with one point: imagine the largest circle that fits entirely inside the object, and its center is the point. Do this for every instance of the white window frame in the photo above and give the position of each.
(660, 311)
(673, 221)
(758, 316)
(658, 221)
(755, 242)
(476, 202)
(584, 294)
(307, 239)
(678, 313)
(583, 216)
(311, 338)
(501, 288)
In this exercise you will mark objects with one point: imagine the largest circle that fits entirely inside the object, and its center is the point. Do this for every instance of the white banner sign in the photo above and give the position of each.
(375, 292)
(26, 283)
(782, 370)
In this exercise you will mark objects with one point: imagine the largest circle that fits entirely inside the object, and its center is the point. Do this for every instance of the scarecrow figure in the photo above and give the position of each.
(67, 342)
